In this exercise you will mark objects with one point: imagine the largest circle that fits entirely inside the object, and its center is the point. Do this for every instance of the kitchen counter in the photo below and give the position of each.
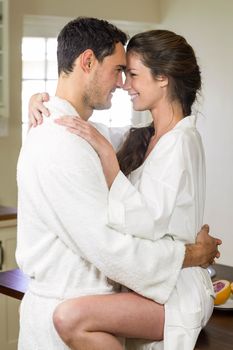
(7, 213)
(218, 334)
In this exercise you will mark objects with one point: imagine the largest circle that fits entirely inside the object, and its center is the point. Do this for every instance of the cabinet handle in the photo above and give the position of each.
(1, 255)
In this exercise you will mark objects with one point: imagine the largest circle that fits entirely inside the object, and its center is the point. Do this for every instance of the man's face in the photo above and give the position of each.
(106, 77)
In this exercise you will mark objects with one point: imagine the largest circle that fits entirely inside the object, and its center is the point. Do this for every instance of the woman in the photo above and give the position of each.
(164, 163)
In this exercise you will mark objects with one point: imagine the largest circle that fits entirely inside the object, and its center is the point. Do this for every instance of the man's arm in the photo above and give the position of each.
(79, 200)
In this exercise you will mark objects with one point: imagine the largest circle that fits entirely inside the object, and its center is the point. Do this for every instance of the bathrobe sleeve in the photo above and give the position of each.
(145, 210)
(78, 197)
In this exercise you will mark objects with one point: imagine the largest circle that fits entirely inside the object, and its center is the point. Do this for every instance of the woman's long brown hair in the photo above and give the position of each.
(168, 54)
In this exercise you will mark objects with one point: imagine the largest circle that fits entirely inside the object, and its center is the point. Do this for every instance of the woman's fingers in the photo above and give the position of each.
(44, 97)
(68, 119)
(86, 135)
(35, 118)
(37, 108)
(78, 132)
(40, 99)
(73, 122)
(77, 123)
(84, 129)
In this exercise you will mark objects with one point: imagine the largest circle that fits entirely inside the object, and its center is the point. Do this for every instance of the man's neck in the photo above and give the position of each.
(65, 92)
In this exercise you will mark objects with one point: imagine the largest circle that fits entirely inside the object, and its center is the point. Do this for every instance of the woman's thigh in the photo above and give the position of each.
(124, 314)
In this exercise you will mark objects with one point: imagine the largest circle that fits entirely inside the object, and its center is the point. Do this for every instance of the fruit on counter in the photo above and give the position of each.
(231, 287)
(222, 289)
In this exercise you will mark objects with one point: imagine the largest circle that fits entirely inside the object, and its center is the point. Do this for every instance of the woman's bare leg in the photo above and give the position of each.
(93, 322)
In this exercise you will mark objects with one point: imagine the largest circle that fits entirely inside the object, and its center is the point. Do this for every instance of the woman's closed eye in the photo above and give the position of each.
(131, 74)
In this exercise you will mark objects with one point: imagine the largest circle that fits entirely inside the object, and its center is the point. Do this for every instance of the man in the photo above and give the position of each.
(64, 243)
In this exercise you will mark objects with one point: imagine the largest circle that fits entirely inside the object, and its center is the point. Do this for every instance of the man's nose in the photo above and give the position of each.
(120, 81)
(127, 84)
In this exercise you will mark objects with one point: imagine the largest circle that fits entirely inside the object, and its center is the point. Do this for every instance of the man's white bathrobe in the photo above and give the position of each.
(64, 241)
(168, 192)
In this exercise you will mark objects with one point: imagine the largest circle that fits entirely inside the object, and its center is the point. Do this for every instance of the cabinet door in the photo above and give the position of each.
(9, 307)
(4, 90)
(8, 245)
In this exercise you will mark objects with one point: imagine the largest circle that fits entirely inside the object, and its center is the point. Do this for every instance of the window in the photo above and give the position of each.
(39, 70)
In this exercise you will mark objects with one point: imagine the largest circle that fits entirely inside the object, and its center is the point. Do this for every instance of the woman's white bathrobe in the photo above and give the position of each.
(168, 192)
(64, 241)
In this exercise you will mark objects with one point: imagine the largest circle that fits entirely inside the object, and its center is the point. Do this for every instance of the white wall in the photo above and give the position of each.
(208, 26)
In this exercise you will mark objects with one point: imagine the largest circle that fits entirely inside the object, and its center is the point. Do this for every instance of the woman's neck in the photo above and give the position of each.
(165, 117)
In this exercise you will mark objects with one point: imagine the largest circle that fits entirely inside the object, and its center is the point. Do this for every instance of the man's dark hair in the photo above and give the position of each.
(85, 33)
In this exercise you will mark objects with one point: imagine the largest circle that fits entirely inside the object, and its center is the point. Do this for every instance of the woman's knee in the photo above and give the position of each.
(70, 317)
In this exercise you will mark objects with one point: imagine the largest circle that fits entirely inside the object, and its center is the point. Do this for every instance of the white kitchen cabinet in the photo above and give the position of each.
(9, 307)
(4, 76)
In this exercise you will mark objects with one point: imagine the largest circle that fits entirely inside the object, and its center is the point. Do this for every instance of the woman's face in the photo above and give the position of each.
(146, 92)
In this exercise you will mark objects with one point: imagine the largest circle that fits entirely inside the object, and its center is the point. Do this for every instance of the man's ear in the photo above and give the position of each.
(163, 80)
(87, 60)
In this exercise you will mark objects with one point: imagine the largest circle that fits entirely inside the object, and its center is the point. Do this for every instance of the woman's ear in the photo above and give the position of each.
(87, 60)
(163, 80)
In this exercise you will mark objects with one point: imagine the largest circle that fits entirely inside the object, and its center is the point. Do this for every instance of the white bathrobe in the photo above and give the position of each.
(168, 193)
(64, 241)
